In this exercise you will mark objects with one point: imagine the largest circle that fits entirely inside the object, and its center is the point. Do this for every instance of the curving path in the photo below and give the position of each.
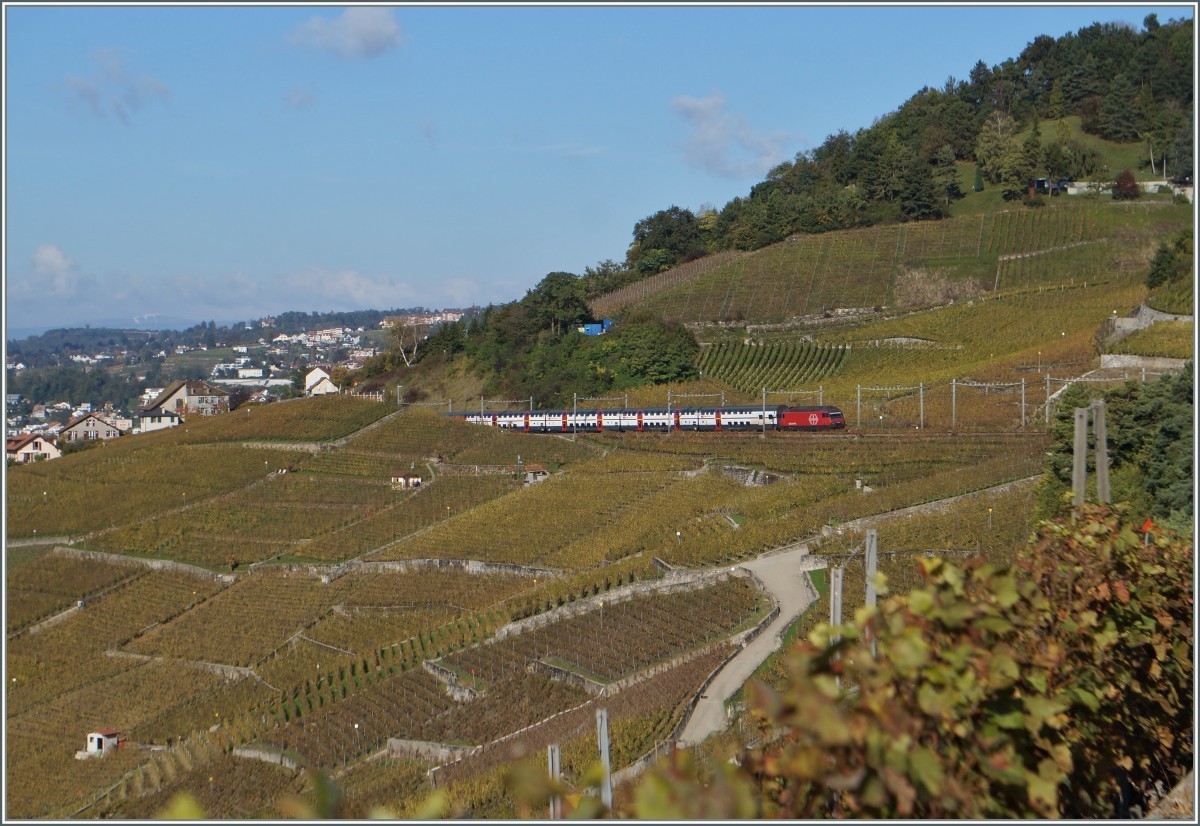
(784, 572)
(785, 575)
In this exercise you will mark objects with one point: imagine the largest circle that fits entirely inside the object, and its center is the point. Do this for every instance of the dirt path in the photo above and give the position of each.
(785, 573)
(786, 577)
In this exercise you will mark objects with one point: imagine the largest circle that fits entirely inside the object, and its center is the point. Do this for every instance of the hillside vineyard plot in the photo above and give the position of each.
(809, 275)
(528, 526)
(117, 484)
(776, 365)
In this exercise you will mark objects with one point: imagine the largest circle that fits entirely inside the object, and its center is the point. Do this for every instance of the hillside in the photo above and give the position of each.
(907, 265)
(263, 602)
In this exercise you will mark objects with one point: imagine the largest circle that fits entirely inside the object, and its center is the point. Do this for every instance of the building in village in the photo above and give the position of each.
(30, 447)
(187, 397)
(88, 427)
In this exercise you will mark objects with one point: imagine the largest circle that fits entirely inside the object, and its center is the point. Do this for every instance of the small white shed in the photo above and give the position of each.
(99, 743)
(405, 481)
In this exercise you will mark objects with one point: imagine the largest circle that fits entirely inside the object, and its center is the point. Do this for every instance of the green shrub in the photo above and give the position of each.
(1058, 687)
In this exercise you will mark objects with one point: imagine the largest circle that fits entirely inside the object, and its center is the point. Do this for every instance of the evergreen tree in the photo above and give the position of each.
(1057, 108)
(1118, 113)
(946, 174)
(918, 194)
(978, 179)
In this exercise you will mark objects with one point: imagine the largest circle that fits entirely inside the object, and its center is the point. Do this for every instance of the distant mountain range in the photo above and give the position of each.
(145, 322)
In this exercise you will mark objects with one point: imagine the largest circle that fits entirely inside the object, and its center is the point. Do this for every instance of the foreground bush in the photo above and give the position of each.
(1060, 687)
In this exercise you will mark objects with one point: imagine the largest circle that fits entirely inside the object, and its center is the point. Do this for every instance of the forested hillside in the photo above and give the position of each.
(1117, 84)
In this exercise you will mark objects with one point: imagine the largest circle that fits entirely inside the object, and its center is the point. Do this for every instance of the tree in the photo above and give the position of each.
(664, 239)
(996, 144)
(919, 196)
(1183, 149)
(945, 174)
(1172, 261)
(978, 179)
(1118, 112)
(1057, 108)
(1126, 187)
(558, 302)
(407, 338)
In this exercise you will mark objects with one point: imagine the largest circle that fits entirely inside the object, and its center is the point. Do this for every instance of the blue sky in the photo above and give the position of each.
(232, 162)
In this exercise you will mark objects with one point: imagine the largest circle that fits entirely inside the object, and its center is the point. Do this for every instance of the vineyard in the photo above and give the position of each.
(325, 599)
(750, 367)
(1170, 339)
(812, 274)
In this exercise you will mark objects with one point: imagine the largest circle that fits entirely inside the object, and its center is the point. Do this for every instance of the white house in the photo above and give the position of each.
(158, 419)
(403, 480)
(250, 372)
(318, 383)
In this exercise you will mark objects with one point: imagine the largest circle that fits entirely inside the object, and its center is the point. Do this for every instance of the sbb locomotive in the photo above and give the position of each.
(824, 417)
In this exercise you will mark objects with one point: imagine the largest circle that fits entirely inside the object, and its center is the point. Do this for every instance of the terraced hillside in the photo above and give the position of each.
(909, 264)
(363, 590)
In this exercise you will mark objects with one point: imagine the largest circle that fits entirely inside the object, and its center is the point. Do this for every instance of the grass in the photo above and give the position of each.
(1169, 339)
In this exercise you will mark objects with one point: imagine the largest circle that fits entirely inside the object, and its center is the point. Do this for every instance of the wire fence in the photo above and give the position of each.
(958, 405)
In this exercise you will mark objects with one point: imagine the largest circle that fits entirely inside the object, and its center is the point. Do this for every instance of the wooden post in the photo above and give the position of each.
(953, 403)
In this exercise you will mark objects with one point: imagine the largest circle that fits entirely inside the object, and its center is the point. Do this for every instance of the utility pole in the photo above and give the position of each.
(554, 758)
(835, 606)
(872, 568)
(1079, 470)
(602, 738)
(1101, 428)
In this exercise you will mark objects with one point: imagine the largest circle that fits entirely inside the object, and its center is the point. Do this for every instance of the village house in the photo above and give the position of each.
(157, 419)
(194, 396)
(404, 480)
(87, 428)
(30, 447)
(317, 382)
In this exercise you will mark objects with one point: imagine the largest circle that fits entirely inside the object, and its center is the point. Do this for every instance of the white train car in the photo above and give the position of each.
(631, 419)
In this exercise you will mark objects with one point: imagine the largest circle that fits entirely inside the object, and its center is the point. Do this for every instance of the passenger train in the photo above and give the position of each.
(663, 419)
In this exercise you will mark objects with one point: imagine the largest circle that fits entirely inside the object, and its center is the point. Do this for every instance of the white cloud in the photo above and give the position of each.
(356, 32)
(54, 272)
(723, 143)
(299, 97)
(111, 89)
(346, 289)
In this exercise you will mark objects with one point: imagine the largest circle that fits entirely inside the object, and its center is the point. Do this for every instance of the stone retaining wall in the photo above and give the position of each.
(433, 752)
(266, 755)
(676, 580)
(1124, 362)
(328, 573)
(458, 693)
(155, 564)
